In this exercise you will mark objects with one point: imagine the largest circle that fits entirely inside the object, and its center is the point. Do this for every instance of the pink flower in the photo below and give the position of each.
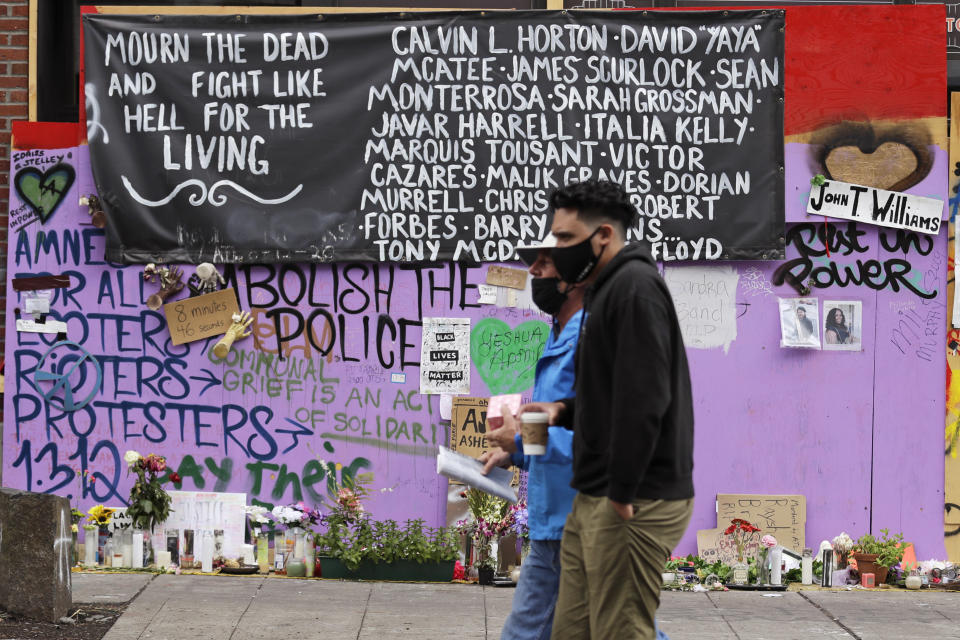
(768, 541)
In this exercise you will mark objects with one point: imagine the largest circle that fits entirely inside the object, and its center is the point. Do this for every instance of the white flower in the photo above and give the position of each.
(287, 515)
(842, 543)
(131, 458)
(257, 514)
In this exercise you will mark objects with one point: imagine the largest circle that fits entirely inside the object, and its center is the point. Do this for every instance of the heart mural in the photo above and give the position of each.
(44, 191)
(506, 358)
(884, 156)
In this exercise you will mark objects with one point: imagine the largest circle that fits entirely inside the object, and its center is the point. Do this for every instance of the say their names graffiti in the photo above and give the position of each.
(876, 206)
(416, 138)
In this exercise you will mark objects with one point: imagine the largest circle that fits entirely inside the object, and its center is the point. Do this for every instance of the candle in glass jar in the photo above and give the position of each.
(163, 559)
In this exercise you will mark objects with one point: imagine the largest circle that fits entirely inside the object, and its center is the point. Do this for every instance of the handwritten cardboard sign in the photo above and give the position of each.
(783, 517)
(201, 317)
(209, 511)
(468, 429)
(468, 426)
(507, 277)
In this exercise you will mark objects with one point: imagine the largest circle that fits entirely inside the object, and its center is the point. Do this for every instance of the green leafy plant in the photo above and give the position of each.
(888, 548)
(351, 535)
(149, 503)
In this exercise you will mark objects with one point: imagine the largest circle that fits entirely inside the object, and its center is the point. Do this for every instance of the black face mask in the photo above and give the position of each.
(575, 263)
(547, 295)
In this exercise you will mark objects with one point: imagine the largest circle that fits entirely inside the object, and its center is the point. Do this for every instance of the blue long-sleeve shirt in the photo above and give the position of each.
(549, 494)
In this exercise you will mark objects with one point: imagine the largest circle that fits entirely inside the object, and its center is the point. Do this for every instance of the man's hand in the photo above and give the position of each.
(623, 509)
(554, 410)
(494, 458)
(505, 436)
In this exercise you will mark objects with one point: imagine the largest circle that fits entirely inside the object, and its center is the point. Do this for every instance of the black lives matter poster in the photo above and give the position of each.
(421, 137)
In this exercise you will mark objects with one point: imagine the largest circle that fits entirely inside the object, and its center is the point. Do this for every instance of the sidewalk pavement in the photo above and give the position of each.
(247, 607)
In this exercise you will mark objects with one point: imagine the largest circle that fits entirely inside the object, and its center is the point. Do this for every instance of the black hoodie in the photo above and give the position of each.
(633, 410)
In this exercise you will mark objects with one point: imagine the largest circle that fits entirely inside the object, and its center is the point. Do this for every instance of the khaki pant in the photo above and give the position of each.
(611, 568)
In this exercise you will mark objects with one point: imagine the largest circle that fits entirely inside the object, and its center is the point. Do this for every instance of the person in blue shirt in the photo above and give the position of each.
(549, 494)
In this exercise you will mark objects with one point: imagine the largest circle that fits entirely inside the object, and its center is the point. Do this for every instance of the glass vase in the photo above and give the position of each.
(741, 572)
(310, 555)
(298, 543)
(263, 552)
(126, 548)
(90, 544)
(763, 566)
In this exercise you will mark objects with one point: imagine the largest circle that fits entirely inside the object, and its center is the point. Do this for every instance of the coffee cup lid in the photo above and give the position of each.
(533, 416)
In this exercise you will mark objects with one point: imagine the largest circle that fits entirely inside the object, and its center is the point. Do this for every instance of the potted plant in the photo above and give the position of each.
(876, 556)
(352, 545)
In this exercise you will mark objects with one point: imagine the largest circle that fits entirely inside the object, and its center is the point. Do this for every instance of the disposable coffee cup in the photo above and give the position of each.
(533, 431)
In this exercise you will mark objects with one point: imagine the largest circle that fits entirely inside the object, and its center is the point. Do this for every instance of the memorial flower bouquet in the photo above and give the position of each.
(767, 542)
(842, 546)
(296, 516)
(100, 515)
(257, 517)
(149, 503)
(519, 517)
(740, 530)
(489, 518)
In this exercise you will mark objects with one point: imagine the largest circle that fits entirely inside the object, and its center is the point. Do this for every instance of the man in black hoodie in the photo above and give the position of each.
(632, 419)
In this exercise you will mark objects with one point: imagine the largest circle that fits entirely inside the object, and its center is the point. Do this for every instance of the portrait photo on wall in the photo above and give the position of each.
(842, 325)
(799, 323)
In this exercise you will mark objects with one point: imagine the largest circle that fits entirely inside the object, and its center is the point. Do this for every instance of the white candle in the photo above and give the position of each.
(206, 553)
(247, 552)
(163, 559)
(126, 548)
(776, 558)
(137, 550)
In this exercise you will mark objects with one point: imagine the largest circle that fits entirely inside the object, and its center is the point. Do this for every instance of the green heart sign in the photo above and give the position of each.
(506, 358)
(44, 191)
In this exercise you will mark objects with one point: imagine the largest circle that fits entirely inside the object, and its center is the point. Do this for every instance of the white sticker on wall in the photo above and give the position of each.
(706, 304)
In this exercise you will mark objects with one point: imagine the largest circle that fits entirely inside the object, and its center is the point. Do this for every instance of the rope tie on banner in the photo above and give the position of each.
(818, 181)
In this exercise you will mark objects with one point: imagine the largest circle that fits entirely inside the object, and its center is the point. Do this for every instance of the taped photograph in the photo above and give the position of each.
(842, 325)
(799, 323)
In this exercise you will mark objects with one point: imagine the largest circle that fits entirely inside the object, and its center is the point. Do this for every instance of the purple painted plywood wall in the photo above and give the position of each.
(250, 422)
(858, 433)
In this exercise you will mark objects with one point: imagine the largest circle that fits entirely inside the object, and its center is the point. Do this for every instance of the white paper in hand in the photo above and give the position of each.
(467, 470)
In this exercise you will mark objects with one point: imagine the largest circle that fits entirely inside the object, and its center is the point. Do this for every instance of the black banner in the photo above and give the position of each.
(418, 137)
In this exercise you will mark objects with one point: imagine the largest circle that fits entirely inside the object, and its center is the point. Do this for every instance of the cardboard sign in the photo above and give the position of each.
(713, 545)
(468, 426)
(507, 277)
(876, 206)
(209, 510)
(201, 317)
(783, 517)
